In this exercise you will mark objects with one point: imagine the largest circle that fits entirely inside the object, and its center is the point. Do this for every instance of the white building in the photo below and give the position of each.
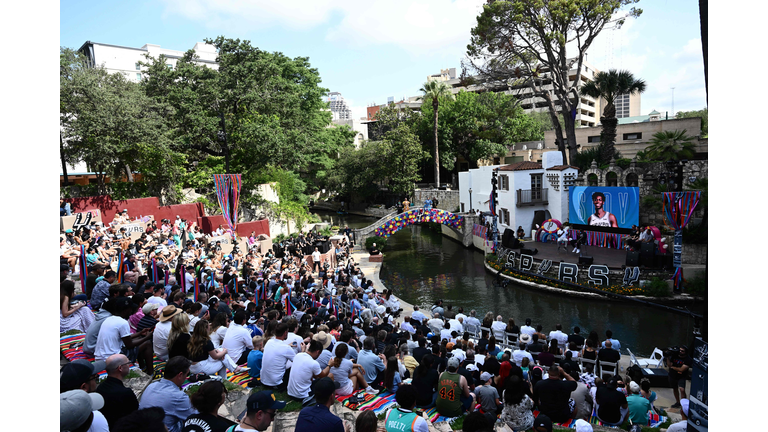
(125, 60)
(339, 107)
(359, 126)
(529, 192)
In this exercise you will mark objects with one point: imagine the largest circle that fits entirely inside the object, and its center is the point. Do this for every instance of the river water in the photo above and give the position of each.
(422, 266)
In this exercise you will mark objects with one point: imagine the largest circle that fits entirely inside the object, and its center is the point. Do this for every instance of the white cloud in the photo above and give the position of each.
(422, 27)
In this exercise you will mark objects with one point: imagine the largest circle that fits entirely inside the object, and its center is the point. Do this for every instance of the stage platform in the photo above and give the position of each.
(613, 258)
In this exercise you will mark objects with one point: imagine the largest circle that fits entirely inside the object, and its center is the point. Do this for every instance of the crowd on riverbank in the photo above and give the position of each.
(313, 327)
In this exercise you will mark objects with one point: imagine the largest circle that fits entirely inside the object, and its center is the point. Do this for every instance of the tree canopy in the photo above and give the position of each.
(703, 113)
(520, 44)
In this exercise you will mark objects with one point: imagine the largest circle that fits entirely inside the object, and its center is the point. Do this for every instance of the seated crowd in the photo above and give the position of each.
(314, 332)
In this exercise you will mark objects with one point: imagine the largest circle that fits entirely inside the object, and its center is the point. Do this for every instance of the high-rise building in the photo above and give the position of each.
(125, 60)
(339, 107)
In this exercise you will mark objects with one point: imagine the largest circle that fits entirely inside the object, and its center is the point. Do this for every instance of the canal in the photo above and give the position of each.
(422, 266)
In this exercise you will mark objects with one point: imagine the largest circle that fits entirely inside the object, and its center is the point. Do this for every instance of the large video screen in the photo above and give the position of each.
(604, 207)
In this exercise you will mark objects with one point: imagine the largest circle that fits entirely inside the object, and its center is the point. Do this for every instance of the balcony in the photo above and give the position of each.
(532, 197)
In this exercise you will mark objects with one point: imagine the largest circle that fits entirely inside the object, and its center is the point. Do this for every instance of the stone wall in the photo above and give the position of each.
(447, 199)
(694, 254)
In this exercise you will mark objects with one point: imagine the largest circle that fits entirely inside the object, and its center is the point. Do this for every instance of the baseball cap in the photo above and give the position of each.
(75, 407)
(64, 267)
(324, 387)
(634, 387)
(542, 421)
(684, 403)
(77, 373)
(357, 321)
(583, 426)
(149, 307)
(453, 362)
(485, 376)
(263, 400)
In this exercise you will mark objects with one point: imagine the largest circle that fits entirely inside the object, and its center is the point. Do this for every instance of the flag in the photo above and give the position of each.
(120, 266)
(83, 267)
(197, 290)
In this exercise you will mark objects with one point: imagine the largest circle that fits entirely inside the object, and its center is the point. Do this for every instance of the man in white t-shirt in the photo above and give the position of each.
(158, 291)
(527, 328)
(562, 338)
(293, 340)
(471, 323)
(498, 328)
(238, 340)
(276, 363)
(418, 315)
(520, 352)
(435, 324)
(304, 370)
(316, 260)
(115, 333)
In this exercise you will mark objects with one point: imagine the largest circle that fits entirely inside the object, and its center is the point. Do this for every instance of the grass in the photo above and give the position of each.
(70, 333)
(458, 424)
(290, 404)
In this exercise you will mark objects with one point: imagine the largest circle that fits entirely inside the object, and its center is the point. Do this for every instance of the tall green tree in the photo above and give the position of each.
(402, 155)
(702, 113)
(111, 125)
(610, 85)
(670, 146)
(522, 43)
(434, 91)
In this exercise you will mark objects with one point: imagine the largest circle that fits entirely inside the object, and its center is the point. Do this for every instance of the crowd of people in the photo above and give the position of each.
(312, 327)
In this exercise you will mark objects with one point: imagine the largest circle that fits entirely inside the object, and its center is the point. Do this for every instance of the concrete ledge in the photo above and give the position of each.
(376, 258)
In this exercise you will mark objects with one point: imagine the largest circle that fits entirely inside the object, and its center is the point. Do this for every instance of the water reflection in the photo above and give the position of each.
(422, 266)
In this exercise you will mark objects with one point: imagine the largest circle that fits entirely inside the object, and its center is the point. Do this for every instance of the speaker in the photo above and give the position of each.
(508, 239)
(527, 251)
(586, 260)
(633, 259)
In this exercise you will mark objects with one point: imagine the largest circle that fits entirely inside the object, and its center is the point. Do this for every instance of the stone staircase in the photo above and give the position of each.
(363, 233)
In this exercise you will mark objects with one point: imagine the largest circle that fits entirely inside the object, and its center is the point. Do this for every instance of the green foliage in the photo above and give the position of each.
(695, 234)
(703, 113)
(210, 207)
(280, 237)
(110, 124)
(434, 93)
(434, 226)
(657, 288)
(623, 163)
(696, 286)
(651, 203)
(381, 242)
(326, 232)
(670, 146)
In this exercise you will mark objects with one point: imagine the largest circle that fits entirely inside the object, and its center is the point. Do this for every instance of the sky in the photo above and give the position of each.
(369, 51)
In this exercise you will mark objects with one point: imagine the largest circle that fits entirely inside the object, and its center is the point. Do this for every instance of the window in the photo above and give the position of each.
(138, 67)
(504, 182)
(633, 136)
(513, 159)
(496, 161)
(462, 207)
(138, 77)
(593, 139)
(611, 179)
(536, 186)
(504, 216)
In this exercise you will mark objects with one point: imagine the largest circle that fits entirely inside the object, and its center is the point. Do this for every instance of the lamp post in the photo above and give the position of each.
(470, 200)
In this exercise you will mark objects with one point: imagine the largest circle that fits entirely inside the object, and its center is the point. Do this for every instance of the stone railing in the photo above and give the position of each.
(363, 233)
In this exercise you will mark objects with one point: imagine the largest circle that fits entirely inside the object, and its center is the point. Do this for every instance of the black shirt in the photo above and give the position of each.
(90, 283)
(553, 395)
(205, 423)
(119, 400)
(425, 386)
(608, 355)
(179, 347)
(610, 402)
(203, 355)
(577, 339)
(419, 353)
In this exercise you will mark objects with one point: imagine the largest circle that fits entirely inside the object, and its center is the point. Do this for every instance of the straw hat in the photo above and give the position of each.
(169, 312)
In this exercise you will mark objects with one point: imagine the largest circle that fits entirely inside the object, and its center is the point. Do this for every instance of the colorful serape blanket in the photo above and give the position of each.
(377, 403)
(433, 416)
(68, 349)
(654, 420)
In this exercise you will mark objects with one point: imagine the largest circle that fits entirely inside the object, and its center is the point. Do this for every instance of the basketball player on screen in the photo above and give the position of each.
(601, 217)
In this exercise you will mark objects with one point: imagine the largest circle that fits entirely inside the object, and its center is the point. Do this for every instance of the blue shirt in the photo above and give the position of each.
(372, 364)
(168, 396)
(614, 344)
(318, 419)
(254, 362)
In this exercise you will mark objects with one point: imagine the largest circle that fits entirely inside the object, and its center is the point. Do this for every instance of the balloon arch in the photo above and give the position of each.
(419, 215)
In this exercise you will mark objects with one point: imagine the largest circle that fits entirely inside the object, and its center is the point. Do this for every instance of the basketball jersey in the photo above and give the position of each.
(448, 395)
(400, 421)
(603, 221)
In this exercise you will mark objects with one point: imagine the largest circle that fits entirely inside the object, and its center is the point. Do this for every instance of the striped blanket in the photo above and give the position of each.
(433, 416)
(654, 420)
(364, 401)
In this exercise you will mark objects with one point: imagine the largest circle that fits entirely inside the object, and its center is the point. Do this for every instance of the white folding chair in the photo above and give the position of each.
(486, 329)
(656, 359)
(511, 338)
(605, 364)
(583, 361)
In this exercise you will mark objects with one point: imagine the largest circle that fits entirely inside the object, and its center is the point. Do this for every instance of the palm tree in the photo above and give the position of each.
(670, 145)
(435, 90)
(610, 85)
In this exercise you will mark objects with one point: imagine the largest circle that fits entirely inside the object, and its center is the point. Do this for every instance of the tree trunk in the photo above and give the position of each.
(559, 141)
(129, 173)
(63, 162)
(570, 134)
(608, 135)
(437, 156)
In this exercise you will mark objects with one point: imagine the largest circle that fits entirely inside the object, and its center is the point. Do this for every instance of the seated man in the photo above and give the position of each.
(168, 395)
(611, 404)
(119, 400)
(608, 354)
(614, 342)
(238, 340)
(403, 418)
(319, 418)
(553, 395)
(372, 363)
(374, 250)
(276, 369)
(304, 370)
(638, 405)
(453, 396)
(115, 336)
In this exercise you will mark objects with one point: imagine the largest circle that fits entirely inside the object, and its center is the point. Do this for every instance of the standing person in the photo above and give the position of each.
(316, 260)
(119, 400)
(453, 396)
(678, 369)
(601, 217)
(168, 395)
(207, 400)
(402, 418)
(318, 418)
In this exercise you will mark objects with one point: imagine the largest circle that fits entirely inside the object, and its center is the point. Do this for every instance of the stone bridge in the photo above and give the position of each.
(394, 222)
